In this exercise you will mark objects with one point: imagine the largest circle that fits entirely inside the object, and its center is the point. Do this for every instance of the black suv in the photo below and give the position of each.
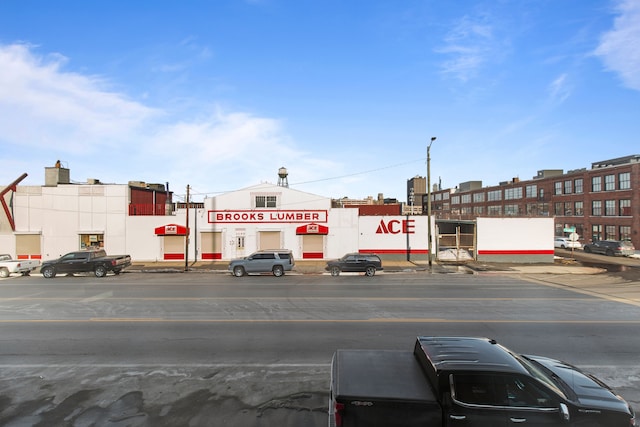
(360, 263)
(275, 261)
(610, 248)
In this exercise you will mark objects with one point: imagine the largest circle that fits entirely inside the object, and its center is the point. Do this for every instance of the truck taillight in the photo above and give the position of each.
(339, 408)
(113, 262)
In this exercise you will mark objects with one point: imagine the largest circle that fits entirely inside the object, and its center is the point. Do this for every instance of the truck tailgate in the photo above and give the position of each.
(383, 388)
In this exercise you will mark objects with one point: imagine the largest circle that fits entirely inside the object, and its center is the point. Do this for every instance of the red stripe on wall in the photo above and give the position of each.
(516, 252)
(169, 257)
(212, 255)
(392, 251)
(312, 255)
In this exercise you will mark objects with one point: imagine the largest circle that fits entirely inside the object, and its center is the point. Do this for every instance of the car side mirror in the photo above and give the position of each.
(564, 412)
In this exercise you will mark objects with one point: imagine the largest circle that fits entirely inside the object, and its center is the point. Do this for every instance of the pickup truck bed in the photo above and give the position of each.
(380, 380)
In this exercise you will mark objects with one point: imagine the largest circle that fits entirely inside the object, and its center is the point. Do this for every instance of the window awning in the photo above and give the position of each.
(171, 229)
(312, 229)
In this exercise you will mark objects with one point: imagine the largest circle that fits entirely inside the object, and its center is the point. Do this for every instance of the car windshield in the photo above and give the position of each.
(547, 377)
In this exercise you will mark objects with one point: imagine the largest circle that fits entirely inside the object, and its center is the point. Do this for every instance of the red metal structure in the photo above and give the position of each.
(10, 187)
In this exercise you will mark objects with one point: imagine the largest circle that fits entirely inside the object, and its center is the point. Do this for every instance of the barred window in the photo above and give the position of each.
(494, 195)
(577, 185)
(513, 193)
(558, 188)
(624, 181)
(625, 207)
(610, 207)
(531, 190)
(609, 182)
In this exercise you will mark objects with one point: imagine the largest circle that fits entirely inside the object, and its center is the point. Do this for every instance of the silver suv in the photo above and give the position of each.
(275, 261)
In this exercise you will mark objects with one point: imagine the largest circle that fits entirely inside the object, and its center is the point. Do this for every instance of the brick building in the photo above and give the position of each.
(600, 203)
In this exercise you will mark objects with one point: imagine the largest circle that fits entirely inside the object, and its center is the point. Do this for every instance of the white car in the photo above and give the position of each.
(566, 243)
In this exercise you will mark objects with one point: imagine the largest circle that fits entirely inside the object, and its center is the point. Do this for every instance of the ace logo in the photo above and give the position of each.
(395, 226)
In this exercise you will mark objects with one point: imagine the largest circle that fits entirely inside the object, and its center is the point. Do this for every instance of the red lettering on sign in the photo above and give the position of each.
(395, 226)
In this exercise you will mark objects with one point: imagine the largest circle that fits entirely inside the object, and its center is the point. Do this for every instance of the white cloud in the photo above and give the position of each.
(559, 89)
(619, 48)
(51, 113)
(468, 45)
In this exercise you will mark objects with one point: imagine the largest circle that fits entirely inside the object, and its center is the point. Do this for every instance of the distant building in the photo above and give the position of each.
(599, 203)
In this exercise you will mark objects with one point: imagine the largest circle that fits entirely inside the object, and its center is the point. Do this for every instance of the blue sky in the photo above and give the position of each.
(345, 94)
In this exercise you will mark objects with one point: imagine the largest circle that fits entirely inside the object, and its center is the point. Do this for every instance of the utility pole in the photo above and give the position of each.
(433, 138)
(186, 240)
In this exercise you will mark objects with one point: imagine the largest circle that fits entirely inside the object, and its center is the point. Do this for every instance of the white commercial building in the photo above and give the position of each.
(44, 222)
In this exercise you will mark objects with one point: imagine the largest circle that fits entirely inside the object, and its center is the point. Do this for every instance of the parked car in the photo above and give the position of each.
(356, 262)
(566, 243)
(20, 266)
(467, 381)
(96, 261)
(275, 261)
(610, 248)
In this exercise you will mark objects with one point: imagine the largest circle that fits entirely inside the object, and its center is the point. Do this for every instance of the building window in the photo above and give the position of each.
(625, 232)
(577, 185)
(445, 206)
(478, 210)
(266, 201)
(609, 182)
(610, 208)
(478, 197)
(445, 196)
(578, 208)
(557, 188)
(624, 181)
(596, 232)
(511, 210)
(596, 183)
(495, 210)
(455, 200)
(567, 187)
(531, 190)
(568, 211)
(541, 197)
(465, 210)
(466, 198)
(625, 207)
(596, 208)
(557, 209)
(494, 195)
(513, 193)
(610, 232)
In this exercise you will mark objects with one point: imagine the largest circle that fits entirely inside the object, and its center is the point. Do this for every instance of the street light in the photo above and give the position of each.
(433, 138)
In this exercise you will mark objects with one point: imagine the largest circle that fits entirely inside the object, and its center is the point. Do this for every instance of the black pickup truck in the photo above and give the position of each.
(87, 261)
(463, 381)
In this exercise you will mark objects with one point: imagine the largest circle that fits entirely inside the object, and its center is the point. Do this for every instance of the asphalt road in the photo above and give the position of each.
(202, 349)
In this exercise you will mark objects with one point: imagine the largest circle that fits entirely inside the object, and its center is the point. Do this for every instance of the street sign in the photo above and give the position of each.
(569, 230)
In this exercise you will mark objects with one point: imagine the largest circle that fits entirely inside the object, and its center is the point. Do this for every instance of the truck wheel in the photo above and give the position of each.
(4, 272)
(335, 271)
(100, 271)
(370, 271)
(587, 249)
(48, 272)
(238, 271)
(609, 252)
(116, 272)
(278, 270)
